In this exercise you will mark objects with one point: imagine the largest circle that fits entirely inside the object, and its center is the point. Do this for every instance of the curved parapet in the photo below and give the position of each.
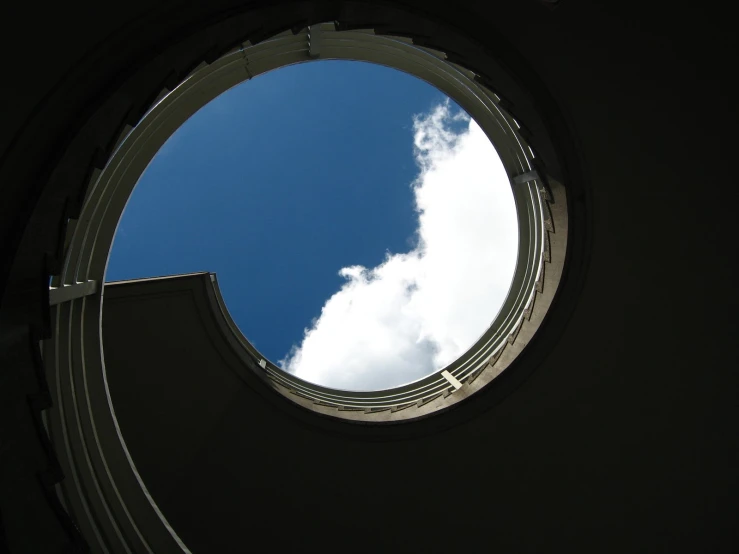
(532, 192)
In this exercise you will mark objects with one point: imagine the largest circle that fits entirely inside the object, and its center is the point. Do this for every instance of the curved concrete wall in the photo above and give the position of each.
(621, 439)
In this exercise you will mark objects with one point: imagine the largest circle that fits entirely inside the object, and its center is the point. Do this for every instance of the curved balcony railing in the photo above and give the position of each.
(103, 488)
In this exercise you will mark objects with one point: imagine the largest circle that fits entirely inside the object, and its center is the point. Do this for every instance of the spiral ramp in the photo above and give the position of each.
(37, 510)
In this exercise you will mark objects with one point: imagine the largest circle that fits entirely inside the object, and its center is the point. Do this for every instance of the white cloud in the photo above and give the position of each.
(418, 311)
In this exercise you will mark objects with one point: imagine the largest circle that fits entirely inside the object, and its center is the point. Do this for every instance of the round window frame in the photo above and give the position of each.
(87, 256)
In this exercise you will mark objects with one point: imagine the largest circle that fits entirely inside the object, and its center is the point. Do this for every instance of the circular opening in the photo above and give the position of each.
(89, 249)
(361, 224)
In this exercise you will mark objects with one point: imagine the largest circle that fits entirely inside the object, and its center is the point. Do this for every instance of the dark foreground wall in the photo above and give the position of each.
(621, 439)
(544, 469)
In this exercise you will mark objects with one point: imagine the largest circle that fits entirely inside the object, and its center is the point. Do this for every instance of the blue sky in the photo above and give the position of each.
(284, 180)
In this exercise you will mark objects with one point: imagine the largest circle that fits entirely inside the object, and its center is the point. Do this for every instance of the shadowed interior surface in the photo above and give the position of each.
(619, 437)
